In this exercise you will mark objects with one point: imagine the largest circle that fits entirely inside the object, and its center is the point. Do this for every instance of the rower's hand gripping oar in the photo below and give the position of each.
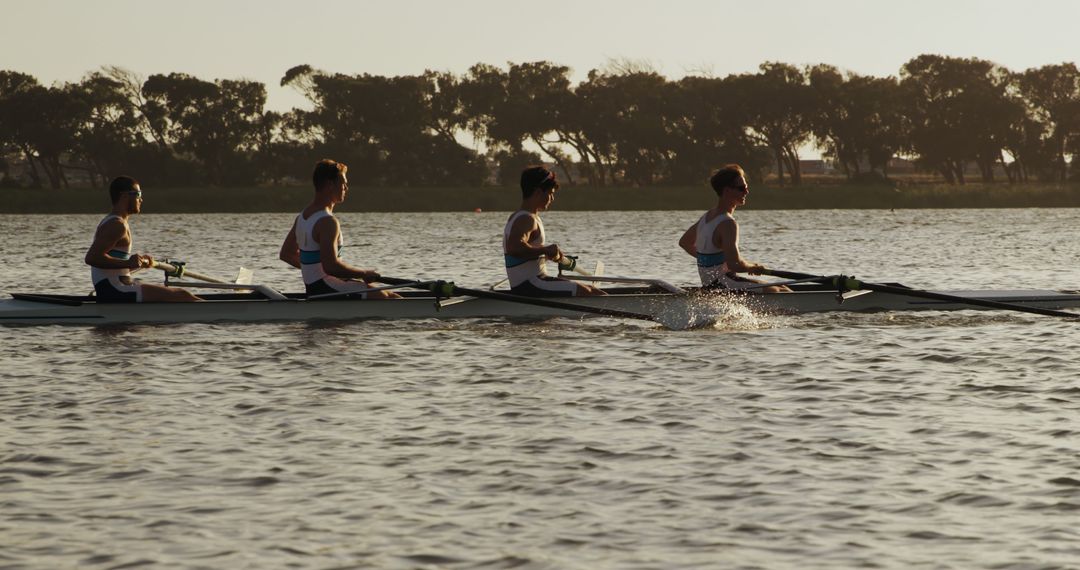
(570, 263)
(844, 283)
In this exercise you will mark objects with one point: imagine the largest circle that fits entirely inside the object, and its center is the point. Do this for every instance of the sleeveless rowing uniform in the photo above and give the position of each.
(712, 268)
(529, 276)
(316, 280)
(116, 285)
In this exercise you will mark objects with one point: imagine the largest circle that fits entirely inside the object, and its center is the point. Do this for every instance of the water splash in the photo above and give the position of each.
(716, 312)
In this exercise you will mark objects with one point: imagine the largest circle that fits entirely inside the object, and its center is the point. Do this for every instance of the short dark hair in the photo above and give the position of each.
(121, 185)
(726, 177)
(327, 170)
(535, 178)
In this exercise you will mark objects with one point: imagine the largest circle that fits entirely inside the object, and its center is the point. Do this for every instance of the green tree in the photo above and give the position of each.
(110, 130)
(859, 119)
(959, 111)
(13, 87)
(216, 122)
(709, 129)
(777, 102)
(42, 122)
(397, 130)
(1053, 95)
(527, 102)
(630, 123)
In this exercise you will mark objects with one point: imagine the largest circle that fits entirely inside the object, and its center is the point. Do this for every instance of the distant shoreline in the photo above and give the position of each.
(291, 199)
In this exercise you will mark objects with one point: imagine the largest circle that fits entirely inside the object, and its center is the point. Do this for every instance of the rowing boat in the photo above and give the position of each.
(255, 306)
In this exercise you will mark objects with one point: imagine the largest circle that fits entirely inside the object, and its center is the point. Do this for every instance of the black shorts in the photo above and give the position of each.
(105, 292)
(321, 287)
(731, 282)
(529, 289)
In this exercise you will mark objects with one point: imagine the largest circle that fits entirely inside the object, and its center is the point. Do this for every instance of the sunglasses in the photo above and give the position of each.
(135, 193)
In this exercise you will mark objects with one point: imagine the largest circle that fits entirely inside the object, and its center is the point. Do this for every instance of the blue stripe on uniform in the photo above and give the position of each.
(710, 259)
(119, 254)
(310, 257)
(512, 261)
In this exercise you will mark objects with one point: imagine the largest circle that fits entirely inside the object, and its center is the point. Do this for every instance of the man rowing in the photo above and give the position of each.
(110, 258)
(313, 244)
(714, 238)
(524, 249)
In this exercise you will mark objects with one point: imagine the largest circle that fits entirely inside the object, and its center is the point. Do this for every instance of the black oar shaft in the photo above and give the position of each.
(396, 281)
(852, 283)
(171, 269)
(541, 302)
(968, 300)
(448, 289)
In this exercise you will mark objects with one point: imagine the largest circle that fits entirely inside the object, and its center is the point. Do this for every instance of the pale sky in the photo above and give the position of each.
(61, 40)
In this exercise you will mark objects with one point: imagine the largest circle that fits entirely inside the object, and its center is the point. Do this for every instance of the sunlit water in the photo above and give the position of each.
(907, 440)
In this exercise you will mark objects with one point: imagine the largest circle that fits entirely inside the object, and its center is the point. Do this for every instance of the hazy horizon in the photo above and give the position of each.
(62, 40)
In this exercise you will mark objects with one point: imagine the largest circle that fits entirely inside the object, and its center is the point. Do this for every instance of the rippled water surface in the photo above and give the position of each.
(917, 440)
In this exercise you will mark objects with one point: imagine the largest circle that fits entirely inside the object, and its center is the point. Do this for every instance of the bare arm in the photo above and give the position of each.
(326, 232)
(290, 251)
(517, 243)
(688, 241)
(106, 237)
(728, 232)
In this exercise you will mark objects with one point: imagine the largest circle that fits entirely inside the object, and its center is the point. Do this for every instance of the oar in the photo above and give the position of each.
(852, 284)
(425, 285)
(181, 271)
(570, 263)
(448, 289)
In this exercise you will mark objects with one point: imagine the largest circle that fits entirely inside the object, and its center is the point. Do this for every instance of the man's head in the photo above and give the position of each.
(730, 178)
(537, 178)
(126, 189)
(538, 188)
(329, 174)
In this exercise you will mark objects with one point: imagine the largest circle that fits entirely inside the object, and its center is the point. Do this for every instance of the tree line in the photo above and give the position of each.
(624, 125)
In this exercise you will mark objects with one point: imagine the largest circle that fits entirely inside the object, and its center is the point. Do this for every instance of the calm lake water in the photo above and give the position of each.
(926, 440)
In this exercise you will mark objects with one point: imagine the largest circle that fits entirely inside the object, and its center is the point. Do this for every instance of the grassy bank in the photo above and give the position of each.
(291, 199)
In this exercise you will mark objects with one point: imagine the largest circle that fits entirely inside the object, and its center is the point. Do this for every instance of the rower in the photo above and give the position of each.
(524, 248)
(714, 238)
(110, 258)
(314, 242)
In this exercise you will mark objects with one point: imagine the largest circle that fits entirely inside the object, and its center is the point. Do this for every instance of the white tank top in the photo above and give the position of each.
(98, 274)
(710, 259)
(310, 259)
(520, 270)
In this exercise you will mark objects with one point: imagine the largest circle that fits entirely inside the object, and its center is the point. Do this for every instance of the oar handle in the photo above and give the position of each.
(838, 281)
(570, 263)
(794, 275)
(395, 280)
(178, 270)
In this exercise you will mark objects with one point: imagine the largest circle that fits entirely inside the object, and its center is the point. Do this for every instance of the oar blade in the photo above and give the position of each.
(245, 276)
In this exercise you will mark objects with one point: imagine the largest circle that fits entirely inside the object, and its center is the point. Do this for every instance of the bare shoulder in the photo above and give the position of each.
(525, 223)
(112, 227)
(728, 225)
(328, 223)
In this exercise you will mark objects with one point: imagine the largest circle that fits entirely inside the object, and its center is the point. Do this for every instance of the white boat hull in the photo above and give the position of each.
(57, 309)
